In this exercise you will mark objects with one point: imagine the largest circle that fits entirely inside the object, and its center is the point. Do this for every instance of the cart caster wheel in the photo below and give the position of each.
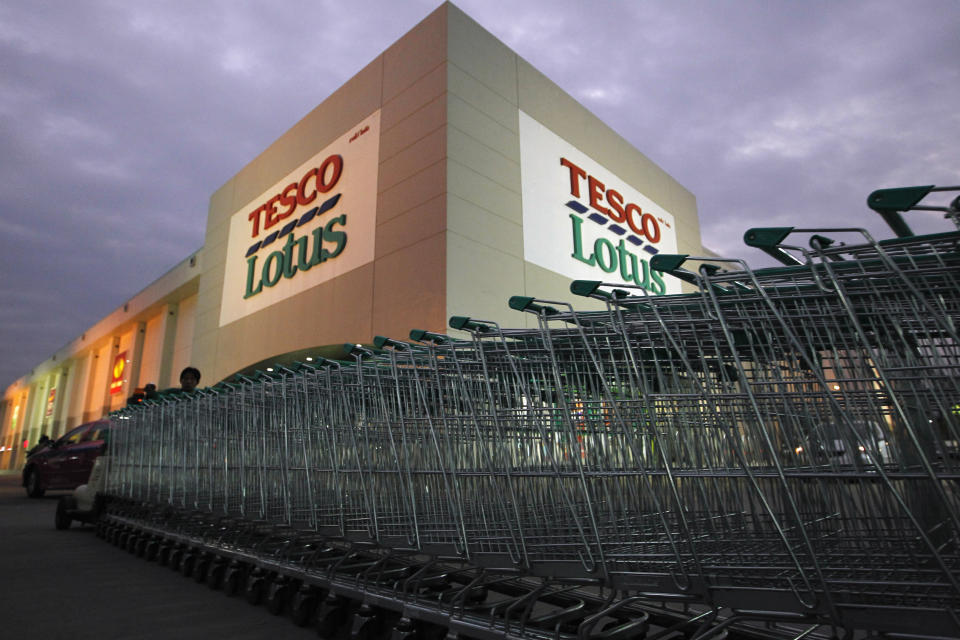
(200, 568)
(132, 540)
(403, 630)
(120, 540)
(332, 613)
(150, 550)
(215, 573)
(187, 563)
(233, 579)
(141, 549)
(304, 605)
(62, 519)
(176, 554)
(278, 594)
(255, 587)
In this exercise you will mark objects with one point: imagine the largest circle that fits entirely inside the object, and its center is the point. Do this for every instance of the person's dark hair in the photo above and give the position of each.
(193, 370)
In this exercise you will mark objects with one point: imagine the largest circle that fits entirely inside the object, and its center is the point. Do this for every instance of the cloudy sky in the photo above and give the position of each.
(119, 118)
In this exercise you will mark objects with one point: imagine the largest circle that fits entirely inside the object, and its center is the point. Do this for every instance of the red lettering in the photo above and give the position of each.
(288, 200)
(254, 217)
(271, 209)
(297, 194)
(637, 227)
(651, 228)
(596, 192)
(302, 198)
(576, 175)
(324, 184)
(616, 201)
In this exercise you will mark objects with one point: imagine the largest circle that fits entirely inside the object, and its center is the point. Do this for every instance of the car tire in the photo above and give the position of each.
(33, 486)
(62, 519)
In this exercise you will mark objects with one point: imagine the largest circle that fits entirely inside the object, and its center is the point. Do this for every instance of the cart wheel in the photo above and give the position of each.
(304, 605)
(255, 587)
(176, 554)
(333, 612)
(200, 568)
(278, 594)
(187, 562)
(150, 551)
(62, 518)
(215, 573)
(234, 578)
(132, 541)
(163, 554)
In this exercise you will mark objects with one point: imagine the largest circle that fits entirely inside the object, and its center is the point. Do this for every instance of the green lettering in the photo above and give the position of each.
(659, 286)
(600, 246)
(303, 263)
(275, 258)
(578, 242)
(251, 266)
(339, 237)
(289, 269)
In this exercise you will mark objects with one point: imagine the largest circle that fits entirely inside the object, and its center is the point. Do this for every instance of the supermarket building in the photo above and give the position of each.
(444, 177)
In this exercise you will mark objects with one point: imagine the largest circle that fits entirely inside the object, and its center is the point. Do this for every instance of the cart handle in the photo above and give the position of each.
(768, 240)
(526, 303)
(419, 335)
(890, 202)
(382, 341)
(466, 324)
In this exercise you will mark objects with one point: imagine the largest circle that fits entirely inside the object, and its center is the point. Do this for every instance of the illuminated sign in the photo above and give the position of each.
(582, 221)
(51, 397)
(119, 367)
(315, 224)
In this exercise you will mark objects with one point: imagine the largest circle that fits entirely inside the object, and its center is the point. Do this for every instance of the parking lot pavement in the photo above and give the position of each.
(73, 585)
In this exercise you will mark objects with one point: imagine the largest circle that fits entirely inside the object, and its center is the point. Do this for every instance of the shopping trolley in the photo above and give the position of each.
(776, 446)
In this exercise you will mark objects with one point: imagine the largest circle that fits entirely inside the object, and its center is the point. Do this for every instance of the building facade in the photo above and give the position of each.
(443, 178)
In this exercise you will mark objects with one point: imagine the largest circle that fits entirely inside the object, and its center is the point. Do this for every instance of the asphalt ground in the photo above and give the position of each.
(73, 585)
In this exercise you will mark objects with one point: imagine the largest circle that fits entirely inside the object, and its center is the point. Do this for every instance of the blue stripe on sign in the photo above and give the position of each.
(326, 206)
(307, 217)
(596, 217)
(651, 250)
(617, 229)
(252, 250)
(288, 227)
(269, 239)
(576, 206)
(635, 240)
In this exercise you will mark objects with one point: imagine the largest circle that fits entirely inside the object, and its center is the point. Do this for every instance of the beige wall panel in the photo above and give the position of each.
(470, 221)
(480, 280)
(545, 284)
(183, 343)
(81, 372)
(99, 380)
(413, 128)
(426, 151)
(411, 99)
(479, 54)
(476, 155)
(479, 126)
(470, 91)
(409, 289)
(411, 226)
(332, 312)
(152, 350)
(419, 52)
(411, 193)
(483, 192)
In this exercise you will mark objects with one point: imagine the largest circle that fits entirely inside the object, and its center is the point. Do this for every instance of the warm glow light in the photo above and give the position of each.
(836, 387)
(309, 359)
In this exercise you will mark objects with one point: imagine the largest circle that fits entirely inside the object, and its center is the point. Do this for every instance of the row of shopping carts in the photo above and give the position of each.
(779, 445)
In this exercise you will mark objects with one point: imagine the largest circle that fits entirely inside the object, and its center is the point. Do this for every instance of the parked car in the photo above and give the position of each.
(67, 462)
